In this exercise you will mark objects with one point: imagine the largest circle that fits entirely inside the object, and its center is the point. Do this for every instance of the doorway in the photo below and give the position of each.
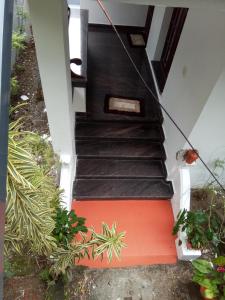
(162, 67)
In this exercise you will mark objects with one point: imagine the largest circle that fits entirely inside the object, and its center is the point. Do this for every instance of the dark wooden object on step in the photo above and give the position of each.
(119, 156)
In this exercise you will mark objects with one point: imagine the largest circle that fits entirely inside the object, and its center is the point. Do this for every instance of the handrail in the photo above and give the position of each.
(153, 95)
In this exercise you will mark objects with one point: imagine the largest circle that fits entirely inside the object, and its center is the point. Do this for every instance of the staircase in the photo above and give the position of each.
(120, 174)
(120, 160)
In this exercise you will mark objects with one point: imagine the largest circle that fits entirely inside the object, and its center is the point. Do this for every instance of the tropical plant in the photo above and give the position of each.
(202, 229)
(94, 245)
(67, 225)
(211, 277)
(18, 40)
(31, 193)
(35, 222)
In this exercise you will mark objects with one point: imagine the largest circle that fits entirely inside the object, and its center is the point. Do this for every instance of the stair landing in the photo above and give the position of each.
(148, 226)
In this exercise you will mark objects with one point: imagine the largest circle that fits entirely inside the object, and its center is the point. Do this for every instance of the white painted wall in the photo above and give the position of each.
(197, 65)
(208, 134)
(121, 13)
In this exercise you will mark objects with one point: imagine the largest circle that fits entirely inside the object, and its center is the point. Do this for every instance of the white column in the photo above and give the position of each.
(50, 27)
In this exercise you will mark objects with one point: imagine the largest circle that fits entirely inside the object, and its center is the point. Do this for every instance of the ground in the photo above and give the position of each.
(165, 282)
(162, 282)
(29, 84)
(24, 288)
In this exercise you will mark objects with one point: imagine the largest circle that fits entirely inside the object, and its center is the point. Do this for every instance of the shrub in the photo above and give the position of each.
(14, 86)
(67, 225)
(18, 40)
(210, 276)
(201, 233)
(30, 193)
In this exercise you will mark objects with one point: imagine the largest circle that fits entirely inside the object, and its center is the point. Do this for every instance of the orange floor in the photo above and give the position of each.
(148, 226)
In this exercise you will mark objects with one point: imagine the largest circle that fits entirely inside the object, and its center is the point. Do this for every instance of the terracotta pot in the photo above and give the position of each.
(190, 156)
(202, 289)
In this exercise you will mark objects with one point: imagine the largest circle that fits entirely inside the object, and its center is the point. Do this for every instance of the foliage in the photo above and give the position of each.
(22, 17)
(109, 242)
(205, 227)
(211, 276)
(14, 86)
(30, 193)
(201, 232)
(19, 266)
(43, 152)
(35, 222)
(18, 40)
(67, 225)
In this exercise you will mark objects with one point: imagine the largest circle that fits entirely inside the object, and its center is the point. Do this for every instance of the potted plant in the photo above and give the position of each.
(211, 277)
(190, 156)
(202, 229)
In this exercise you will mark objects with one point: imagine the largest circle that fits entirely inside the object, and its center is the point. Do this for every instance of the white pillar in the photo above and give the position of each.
(50, 27)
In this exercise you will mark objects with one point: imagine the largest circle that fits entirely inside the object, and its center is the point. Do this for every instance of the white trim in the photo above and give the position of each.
(184, 253)
(67, 175)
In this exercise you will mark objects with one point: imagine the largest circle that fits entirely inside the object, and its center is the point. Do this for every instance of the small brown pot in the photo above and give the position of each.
(191, 156)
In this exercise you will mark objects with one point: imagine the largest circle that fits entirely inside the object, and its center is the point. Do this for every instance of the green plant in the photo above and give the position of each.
(14, 86)
(31, 193)
(67, 224)
(210, 276)
(18, 40)
(109, 242)
(35, 224)
(202, 229)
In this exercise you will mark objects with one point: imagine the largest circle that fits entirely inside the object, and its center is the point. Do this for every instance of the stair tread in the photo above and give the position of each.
(119, 130)
(122, 149)
(120, 168)
(122, 189)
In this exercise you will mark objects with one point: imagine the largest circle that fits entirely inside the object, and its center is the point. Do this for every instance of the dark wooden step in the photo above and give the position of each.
(122, 189)
(120, 149)
(119, 168)
(118, 130)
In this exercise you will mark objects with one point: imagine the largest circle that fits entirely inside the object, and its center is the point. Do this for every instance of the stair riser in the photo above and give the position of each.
(120, 149)
(118, 131)
(122, 189)
(112, 168)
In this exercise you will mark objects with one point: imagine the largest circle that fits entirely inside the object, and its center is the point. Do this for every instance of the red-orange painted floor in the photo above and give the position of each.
(148, 226)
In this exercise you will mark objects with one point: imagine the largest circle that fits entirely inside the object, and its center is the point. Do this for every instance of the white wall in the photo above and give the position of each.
(121, 13)
(208, 134)
(197, 65)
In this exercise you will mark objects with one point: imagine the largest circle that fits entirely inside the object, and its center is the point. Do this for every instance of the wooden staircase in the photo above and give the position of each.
(120, 174)
(120, 160)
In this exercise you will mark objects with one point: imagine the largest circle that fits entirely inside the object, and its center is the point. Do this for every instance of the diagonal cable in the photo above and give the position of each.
(153, 95)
